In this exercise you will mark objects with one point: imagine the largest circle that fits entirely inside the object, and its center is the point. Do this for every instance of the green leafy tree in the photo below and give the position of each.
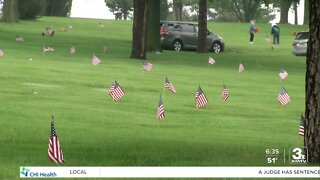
(60, 8)
(30, 9)
(123, 6)
(164, 9)
(312, 111)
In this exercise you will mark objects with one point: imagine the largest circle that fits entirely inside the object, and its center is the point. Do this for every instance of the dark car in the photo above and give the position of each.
(300, 44)
(184, 35)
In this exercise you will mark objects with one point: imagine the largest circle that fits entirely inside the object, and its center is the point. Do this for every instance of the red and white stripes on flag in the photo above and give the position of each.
(283, 74)
(54, 150)
(147, 66)
(116, 92)
(283, 97)
(200, 98)
(224, 93)
(211, 60)
(241, 68)
(301, 127)
(47, 49)
(169, 86)
(95, 60)
(160, 112)
(1, 52)
(73, 50)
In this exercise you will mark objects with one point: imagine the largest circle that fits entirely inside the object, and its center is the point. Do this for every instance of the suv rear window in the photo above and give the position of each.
(302, 35)
(188, 28)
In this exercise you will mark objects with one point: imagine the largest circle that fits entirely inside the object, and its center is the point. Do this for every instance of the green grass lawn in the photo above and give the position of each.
(94, 131)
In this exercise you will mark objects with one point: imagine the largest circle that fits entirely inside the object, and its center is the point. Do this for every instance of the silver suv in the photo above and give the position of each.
(184, 35)
(300, 44)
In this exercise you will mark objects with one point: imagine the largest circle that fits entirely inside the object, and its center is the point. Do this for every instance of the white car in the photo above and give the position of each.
(300, 44)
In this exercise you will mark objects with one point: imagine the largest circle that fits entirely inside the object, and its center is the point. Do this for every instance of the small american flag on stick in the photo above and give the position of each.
(241, 68)
(160, 112)
(73, 50)
(116, 92)
(54, 150)
(200, 98)
(1, 53)
(301, 127)
(47, 49)
(95, 60)
(283, 74)
(147, 66)
(224, 93)
(283, 97)
(211, 60)
(169, 86)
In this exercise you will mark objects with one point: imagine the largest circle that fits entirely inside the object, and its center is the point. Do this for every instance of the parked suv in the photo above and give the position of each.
(184, 35)
(300, 44)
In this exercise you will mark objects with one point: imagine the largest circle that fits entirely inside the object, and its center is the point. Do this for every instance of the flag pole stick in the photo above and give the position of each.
(114, 84)
(164, 89)
(158, 124)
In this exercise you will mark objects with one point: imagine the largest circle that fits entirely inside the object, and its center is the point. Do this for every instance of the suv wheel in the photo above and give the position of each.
(177, 45)
(216, 47)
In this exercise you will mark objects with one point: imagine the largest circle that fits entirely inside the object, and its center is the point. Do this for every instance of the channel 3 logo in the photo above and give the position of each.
(24, 171)
(298, 155)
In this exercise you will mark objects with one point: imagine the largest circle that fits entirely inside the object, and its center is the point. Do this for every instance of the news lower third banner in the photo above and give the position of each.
(169, 172)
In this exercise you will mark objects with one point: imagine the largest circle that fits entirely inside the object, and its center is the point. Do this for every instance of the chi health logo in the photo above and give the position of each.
(24, 171)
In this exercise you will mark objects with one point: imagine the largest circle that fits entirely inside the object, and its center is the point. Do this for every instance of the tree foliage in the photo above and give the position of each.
(30, 9)
(164, 9)
(123, 6)
(60, 8)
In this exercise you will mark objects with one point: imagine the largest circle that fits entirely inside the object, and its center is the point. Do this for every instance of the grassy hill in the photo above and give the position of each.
(94, 131)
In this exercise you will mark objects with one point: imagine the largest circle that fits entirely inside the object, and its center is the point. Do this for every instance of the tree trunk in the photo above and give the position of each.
(153, 24)
(177, 10)
(202, 27)
(10, 11)
(312, 126)
(139, 29)
(306, 12)
(295, 6)
(284, 8)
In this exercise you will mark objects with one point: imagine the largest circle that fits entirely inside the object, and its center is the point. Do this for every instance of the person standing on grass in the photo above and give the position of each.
(251, 30)
(275, 31)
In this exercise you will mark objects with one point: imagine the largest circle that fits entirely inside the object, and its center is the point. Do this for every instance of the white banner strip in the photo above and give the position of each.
(169, 172)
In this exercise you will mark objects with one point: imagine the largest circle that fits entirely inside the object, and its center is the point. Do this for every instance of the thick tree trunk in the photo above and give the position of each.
(202, 27)
(177, 10)
(10, 11)
(306, 12)
(284, 8)
(153, 30)
(312, 126)
(295, 6)
(139, 29)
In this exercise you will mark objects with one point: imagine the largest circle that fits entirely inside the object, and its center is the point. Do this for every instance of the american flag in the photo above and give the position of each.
(73, 50)
(116, 91)
(105, 48)
(160, 113)
(169, 86)
(224, 93)
(47, 49)
(1, 52)
(54, 150)
(301, 128)
(95, 60)
(201, 98)
(241, 68)
(211, 60)
(283, 74)
(283, 97)
(147, 66)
